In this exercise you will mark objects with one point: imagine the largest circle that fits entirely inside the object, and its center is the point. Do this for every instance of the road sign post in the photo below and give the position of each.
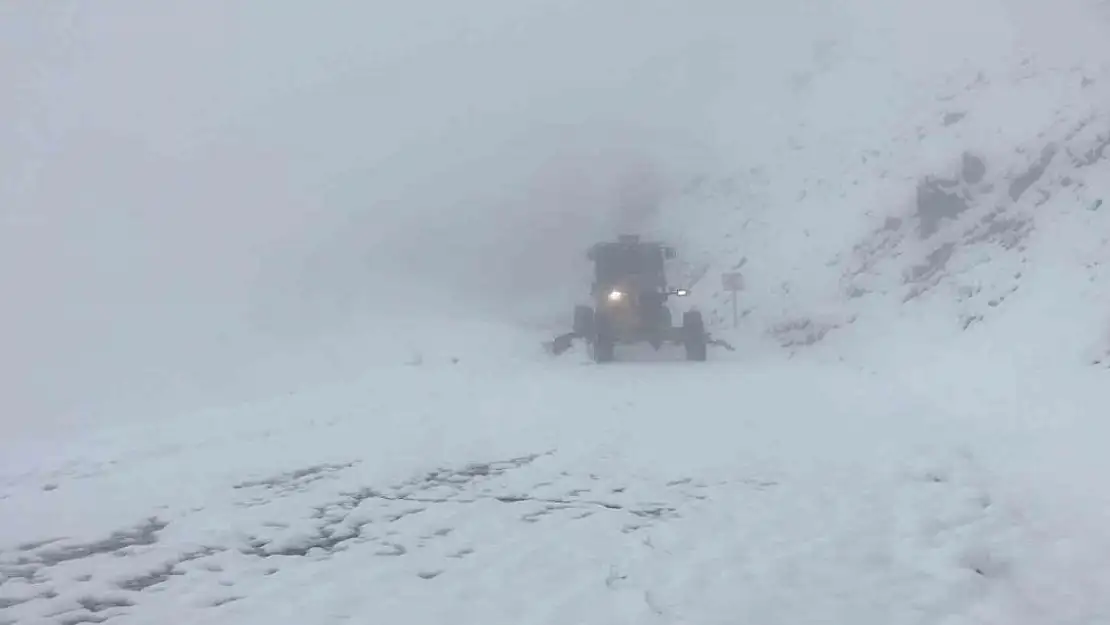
(733, 282)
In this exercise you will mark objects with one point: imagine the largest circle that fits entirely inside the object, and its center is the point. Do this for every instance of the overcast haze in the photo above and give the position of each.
(191, 192)
(190, 187)
(298, 261)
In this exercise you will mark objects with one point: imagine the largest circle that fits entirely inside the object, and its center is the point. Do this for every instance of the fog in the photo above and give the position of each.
(190, 188)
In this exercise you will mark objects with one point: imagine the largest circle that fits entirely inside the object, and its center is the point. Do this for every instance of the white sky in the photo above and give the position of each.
(186, 187)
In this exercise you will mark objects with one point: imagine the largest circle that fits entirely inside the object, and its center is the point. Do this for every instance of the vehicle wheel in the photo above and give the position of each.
(583, 321)
(604, 343)
(693, 335)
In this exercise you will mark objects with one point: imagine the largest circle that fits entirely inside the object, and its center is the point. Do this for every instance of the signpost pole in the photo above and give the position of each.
(735, 318)
(733, 282)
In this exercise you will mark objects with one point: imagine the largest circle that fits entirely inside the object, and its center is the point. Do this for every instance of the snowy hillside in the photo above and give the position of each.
(276, 299)
(970, 194)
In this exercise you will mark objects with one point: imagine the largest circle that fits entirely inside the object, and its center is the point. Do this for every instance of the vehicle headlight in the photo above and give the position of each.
(615, 296)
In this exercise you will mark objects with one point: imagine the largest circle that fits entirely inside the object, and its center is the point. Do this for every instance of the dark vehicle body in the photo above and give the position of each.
(630, 301)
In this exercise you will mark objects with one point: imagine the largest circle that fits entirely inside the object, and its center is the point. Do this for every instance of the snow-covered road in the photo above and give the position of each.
(912, 430)
(729, 492)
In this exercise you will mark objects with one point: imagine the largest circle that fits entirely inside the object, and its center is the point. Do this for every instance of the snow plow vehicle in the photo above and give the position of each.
(630, 296)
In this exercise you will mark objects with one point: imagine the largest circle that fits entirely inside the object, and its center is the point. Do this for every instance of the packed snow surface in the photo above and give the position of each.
(351, 228)
(650, 491)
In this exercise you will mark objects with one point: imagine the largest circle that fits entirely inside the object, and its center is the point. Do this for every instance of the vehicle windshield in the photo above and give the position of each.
(641, 263)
